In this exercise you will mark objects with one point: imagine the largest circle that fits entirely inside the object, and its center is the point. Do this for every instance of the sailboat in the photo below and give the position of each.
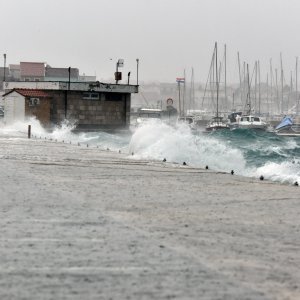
(216, 122)
(248, 120)
(288, 127)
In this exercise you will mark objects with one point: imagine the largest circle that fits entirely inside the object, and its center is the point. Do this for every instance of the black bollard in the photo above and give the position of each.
(261, 177)
(29, 131)
(206, 167)
(232, 172)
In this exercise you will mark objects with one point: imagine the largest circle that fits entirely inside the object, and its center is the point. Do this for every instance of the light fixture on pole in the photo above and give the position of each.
(118, 75)
(128, 77)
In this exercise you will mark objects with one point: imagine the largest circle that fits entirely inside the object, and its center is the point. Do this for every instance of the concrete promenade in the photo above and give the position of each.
(80, 223)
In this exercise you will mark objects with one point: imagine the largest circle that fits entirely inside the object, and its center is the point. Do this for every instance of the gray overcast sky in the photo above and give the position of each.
(166, 35)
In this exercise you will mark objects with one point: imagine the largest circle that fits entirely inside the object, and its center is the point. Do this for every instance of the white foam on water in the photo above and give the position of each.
(20, 128)
(159, 141)
(285, 172)
(156, 140)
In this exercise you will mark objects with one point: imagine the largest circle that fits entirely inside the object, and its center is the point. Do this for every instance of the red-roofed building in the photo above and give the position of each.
(32, 71)
(24, 103)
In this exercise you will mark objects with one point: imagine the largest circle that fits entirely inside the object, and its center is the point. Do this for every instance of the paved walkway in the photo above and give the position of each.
(80, 223)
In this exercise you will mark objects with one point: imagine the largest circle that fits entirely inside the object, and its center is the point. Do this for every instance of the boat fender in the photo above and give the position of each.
(206, 167)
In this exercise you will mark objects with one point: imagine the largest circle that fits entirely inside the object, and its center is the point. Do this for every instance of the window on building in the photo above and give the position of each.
(90, 96)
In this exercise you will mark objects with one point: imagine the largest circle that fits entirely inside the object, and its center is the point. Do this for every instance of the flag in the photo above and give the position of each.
(180, 79)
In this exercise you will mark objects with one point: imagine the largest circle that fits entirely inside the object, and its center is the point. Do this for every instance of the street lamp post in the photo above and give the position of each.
(4, 55)
(137, 71)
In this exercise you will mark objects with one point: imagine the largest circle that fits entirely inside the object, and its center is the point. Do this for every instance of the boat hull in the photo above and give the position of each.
(291, 130)
(214, 127)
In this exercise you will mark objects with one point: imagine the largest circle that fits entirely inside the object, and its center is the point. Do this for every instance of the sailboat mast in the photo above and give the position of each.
(259, 86)
(245, 95)
(281, 78)
(268, 92)
(217, 80)
(208, 77)
(225, 77)
(239, 63)
(277, 91)
(291, 91)
(297, 99)
(183, 97)
(271, 82)
(255, 86)
(192, 103)
(248, 95)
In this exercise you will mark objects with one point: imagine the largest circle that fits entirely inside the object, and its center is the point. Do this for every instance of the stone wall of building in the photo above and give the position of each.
(91, 109)
(41, 111)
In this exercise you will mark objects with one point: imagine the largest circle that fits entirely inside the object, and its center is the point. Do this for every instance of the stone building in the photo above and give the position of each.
(91, 105)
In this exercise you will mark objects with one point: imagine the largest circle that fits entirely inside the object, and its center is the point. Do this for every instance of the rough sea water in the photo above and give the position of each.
(247, 152)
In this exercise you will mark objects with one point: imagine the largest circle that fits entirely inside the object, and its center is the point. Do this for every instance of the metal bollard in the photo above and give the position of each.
(29, 131)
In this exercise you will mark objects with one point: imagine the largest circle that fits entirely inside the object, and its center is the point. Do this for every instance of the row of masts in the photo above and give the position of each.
(277, 95)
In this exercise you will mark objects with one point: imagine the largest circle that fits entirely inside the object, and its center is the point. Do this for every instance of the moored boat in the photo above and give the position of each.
(248, 122)
(287, 127)
(216, 123)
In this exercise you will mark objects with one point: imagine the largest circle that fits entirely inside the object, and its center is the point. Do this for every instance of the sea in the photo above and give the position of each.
(246, 152)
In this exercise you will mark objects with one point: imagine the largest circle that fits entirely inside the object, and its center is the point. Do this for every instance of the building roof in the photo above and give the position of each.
(29, 93)
(33, 69)
(14, 67)
(61, 72)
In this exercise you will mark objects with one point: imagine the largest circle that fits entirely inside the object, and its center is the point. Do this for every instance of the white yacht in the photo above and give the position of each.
(248, 122)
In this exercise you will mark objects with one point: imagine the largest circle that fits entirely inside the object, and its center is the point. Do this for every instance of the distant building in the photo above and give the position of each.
(14, 72)
(32, 71)
(84, 78)
(40, 71)
(2, 71)
(61, 74)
